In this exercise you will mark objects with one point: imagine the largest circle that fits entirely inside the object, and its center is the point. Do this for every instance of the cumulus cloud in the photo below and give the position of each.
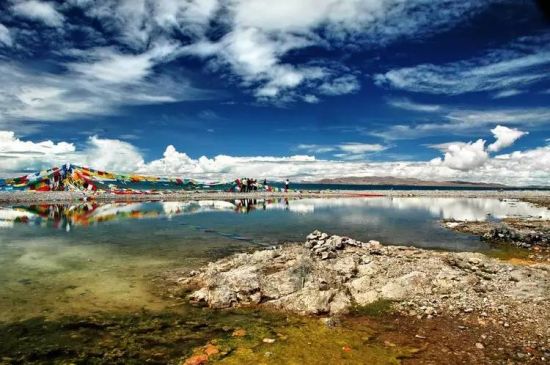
(17, 154)
(503, 69)
(111, 154)
(40, 11)
(517, 168)
(505, 137)
(462, 156)
(471, 155)
(460, 161)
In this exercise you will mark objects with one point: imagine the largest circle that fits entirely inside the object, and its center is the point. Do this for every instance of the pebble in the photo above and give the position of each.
(196, 360)
(480, 346)
(268, 340)
(239, 333)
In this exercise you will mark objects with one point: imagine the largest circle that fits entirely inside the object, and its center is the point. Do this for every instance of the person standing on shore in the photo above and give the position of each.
(287, 184)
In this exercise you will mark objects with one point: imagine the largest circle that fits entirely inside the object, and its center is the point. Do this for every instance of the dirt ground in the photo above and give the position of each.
(466, 340)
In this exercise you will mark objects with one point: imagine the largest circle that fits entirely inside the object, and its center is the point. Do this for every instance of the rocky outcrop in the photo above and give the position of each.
(533, 234)
(517, 237)
(331, 274)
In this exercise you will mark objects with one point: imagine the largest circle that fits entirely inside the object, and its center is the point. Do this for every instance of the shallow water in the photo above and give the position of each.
(75, 259)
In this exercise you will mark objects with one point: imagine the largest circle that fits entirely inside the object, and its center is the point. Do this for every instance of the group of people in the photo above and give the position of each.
(246, 185)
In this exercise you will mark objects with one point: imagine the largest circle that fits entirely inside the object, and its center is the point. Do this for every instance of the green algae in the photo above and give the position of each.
(309, 342)
(506, 251)
(169, 337)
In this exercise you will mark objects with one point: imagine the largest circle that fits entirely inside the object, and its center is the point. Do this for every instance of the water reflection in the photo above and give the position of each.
(85, 214)
(63, 216)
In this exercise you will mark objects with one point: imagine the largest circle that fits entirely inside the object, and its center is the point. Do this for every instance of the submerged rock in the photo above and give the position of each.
(330, 274)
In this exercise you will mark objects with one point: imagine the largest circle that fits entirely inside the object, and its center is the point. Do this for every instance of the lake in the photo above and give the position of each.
(82, 258)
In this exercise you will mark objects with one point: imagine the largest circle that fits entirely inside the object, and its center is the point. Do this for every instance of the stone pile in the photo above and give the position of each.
(326, 247)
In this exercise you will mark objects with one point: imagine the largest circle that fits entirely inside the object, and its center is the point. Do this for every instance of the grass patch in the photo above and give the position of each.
(374, 309)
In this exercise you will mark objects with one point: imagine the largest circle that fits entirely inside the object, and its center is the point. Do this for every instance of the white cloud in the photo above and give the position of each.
(111, 66)
(39, 11)
(344, 151)
(16, 154)
(462, 156)
(312, 99)
(499, 69)
(98, 82)
(471, 155)
(10, 144)
(110, 154)
(507, 93)
(357, 148)
(339, 86)
(5, 36)
(261, 36)
(465, 121)
(517, 168)
(377, 21)
(316, 148)
(405, 103)
(503, 116)
(246, 41)
(505, 137)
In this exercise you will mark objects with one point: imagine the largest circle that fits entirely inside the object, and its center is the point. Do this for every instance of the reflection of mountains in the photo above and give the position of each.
(84, 214)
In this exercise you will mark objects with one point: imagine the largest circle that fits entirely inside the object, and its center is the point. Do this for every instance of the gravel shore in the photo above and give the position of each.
(535, 196)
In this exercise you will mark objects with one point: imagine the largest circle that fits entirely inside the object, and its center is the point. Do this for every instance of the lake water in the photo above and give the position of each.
(83, 258)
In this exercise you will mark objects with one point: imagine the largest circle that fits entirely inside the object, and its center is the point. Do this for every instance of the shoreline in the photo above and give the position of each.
(333, 277)
(533, 196)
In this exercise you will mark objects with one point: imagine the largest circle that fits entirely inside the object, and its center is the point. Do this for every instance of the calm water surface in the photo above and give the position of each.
(77, 259)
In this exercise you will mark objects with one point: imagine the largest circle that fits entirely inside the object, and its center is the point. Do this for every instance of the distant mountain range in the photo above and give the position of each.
(388, 180)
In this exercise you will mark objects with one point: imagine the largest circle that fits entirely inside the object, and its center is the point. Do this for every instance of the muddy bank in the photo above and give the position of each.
(542, 200)
(531, 234)
(534, 196)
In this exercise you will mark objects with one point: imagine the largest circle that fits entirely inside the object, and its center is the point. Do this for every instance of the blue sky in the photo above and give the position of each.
(303, 89)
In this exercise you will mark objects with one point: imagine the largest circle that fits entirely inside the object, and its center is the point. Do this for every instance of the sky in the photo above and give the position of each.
(309, 89)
